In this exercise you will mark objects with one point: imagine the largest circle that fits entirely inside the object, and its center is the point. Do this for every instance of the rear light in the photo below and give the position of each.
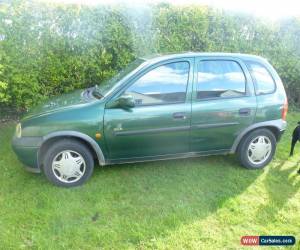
(284, 110)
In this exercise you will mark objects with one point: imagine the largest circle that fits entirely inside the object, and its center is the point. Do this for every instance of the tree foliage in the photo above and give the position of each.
(47, 49)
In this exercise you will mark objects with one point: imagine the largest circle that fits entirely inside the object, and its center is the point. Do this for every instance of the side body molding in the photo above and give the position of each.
(279, 124)
(79, 135)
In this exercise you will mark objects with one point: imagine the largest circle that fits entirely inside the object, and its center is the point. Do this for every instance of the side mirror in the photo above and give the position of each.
(124, 101)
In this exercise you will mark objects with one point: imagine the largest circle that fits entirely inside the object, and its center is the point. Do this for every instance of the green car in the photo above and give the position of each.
(166, 107)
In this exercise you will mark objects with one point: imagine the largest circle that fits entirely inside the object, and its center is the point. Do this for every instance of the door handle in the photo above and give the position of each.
(179, 115)
(245, 111)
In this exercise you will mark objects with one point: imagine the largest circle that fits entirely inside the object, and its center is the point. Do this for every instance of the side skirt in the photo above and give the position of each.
(166, 157)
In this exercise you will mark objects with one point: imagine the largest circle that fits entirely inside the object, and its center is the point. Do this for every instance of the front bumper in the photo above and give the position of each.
(26, 149)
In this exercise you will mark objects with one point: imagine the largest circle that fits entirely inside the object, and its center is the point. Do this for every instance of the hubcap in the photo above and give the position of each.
(259, 150)
(68, 166)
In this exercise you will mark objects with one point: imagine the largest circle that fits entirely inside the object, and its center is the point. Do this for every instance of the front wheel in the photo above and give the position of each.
(257, 149)
(68, 163)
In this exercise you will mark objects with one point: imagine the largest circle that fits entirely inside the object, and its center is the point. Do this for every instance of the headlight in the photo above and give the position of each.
(18, 130)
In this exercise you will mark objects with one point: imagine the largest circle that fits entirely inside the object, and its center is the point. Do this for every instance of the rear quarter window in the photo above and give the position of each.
(264, 82)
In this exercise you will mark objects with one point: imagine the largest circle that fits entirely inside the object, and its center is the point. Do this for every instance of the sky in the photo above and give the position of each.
(263, 8)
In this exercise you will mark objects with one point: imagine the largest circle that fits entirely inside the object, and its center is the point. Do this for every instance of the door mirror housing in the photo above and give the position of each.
(124, 101)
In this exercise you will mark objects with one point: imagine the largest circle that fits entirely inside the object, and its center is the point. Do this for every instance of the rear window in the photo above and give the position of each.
(263, 80)
(220, 79)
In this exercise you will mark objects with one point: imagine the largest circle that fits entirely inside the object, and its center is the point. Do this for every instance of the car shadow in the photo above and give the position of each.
(174, 192)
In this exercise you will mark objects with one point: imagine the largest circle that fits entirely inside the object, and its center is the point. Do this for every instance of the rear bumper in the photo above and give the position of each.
(283, 125)
(26, 149)
(281, 132)
(282, 128)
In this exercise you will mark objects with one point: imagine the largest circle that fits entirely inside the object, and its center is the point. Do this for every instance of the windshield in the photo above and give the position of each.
(111, 83)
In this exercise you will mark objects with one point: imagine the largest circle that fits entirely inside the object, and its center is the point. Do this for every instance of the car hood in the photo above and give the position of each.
(58, 103)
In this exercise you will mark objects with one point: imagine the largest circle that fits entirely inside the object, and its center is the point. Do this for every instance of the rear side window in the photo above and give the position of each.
(162, 85)
(220, 79)
(262, 77)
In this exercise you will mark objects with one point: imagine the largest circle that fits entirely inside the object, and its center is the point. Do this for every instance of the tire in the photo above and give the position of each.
(68, 163)
(258, 154)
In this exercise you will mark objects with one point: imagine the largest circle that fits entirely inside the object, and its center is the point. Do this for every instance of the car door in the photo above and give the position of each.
(223, 103)
(159, 124)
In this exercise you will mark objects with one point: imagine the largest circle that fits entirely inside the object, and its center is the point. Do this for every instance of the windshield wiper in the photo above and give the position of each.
(96, 92)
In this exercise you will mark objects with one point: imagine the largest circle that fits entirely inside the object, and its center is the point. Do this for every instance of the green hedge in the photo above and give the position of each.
(50, 49)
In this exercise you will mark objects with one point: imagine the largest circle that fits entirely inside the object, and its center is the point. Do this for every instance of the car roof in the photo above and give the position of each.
(162, 57)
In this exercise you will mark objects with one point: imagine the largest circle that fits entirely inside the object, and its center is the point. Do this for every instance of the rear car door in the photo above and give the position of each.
(159, 124)
(223, 103)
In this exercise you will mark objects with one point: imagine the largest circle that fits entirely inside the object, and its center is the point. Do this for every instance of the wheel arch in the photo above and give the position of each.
(85, 139)
(275, 126)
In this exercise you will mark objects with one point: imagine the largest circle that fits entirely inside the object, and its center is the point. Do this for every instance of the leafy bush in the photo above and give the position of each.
(47, 49)
(55, 49)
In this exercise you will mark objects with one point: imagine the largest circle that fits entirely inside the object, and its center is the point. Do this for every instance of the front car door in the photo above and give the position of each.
(159, 124)
(223, 103)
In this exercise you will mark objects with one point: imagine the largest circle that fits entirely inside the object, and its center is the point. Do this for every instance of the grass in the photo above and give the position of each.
(201, 203)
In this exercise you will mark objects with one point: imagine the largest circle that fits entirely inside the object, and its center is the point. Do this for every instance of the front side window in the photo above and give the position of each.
(263, 79)
(164, 84)
(109, 85)
(220, 79)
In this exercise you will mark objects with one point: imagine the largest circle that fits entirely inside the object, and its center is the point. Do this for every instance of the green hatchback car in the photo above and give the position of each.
(171, 106)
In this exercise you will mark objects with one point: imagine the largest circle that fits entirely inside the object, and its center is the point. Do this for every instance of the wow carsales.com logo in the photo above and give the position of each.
(268, 240)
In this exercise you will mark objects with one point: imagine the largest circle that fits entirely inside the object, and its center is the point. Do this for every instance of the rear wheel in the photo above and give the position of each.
(257, 149)
(68, 163)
